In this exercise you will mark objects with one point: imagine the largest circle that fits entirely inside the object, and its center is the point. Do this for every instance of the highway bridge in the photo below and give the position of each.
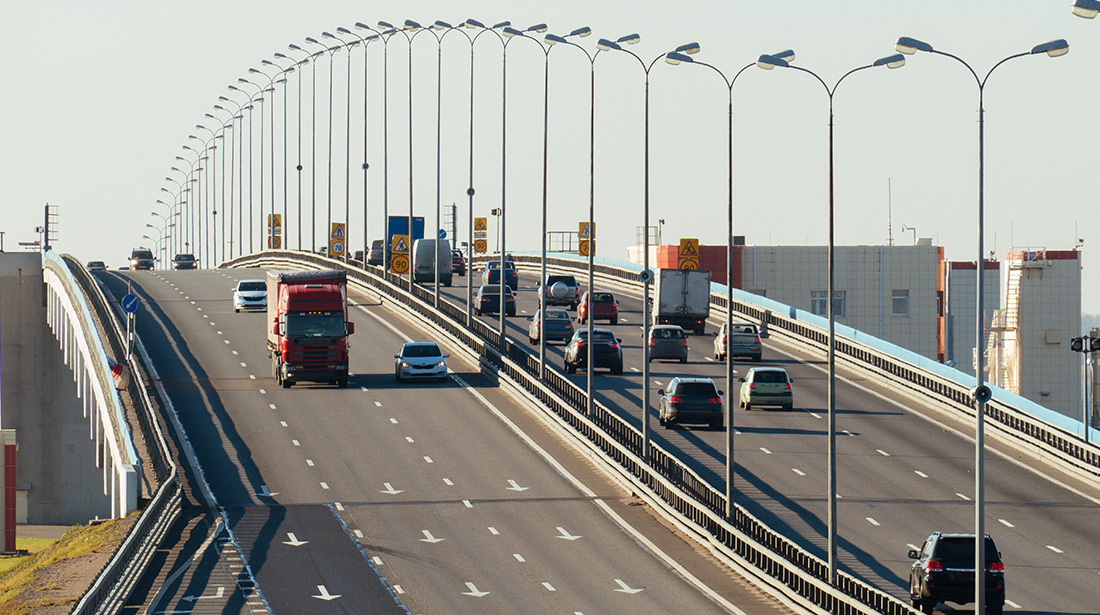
(495, 493)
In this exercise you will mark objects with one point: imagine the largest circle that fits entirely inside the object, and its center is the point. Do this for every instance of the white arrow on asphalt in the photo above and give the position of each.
(294, 542)
(515, 486)
(325, 595)
(389, 490)
(474, 591)
(429, 538)
(218, 594)
(626, 589)
(264, 492)
(566, 535)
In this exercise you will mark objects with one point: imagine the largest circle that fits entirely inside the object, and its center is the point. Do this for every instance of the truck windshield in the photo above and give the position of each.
(315, 324)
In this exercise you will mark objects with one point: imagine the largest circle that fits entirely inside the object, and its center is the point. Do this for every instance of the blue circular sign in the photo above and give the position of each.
(442, 233)
(130, 303)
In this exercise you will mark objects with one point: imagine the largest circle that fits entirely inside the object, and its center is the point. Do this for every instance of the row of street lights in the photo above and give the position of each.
(184, 206)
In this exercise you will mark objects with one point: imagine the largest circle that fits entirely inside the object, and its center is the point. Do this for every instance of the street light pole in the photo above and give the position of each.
(980, 393)
(769, 62)
(347, 144)
(366, 43)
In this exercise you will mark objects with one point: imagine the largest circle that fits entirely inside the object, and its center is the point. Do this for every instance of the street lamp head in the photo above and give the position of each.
(243, 80)
(675, 58)
(502, 24)
(327, 35)
(441, 25)
(786, 54)
(1086, 8)
(605, 45)
(472, 24)
(510, 32)
(553, 38)
(581, 32)
(895, 61)
(629, 39)
(540, 28)
(689, 48)
(909, 46)
(1053, 49)
(310, 39)
(768, 62)
(411, 25)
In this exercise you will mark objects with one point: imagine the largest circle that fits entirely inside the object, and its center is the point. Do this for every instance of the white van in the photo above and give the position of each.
(424, 264)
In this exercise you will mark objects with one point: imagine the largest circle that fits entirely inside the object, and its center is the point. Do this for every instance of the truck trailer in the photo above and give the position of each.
(307, 327)
(682, 298)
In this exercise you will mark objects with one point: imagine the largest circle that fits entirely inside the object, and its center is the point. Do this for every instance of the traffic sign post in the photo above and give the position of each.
(129, 305)
(481, 235)
(399, 261)
(336, 245)
(584, 234)
(689, 254)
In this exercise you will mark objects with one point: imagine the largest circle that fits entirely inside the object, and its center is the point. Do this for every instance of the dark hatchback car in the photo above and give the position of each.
(558, 325)
(690, 400)
(458, 263)
(491, 273)
(944, 572)
(606, 351)
(487, 300)
(184, 261)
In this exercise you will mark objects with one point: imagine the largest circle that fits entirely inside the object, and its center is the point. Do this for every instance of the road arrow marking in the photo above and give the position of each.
(294, 542)
(566, 535)
(626, 589)
(515, 486)
(265, 493)
(474, 591)
(218, 594)
(390, 490)
(325, 595)
(428, 538)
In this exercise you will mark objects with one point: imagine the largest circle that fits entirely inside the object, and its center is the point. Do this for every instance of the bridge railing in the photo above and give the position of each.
(69, 319)
(665, 481)
(1018, 420)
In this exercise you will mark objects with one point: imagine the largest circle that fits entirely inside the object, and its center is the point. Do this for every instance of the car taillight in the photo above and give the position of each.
(651, 343)
(612, 345)
(752, 385)
(715, 400)
(684, 342)
(757, 339)
(933, 566)
(997, 567)
(787, 387)
(723, 340)
(676, 399)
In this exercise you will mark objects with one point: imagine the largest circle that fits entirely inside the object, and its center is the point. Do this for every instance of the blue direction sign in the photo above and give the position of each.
(442, 233)
(130, 303)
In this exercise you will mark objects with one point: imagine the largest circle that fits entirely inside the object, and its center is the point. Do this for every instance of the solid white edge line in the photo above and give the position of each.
(638, 536)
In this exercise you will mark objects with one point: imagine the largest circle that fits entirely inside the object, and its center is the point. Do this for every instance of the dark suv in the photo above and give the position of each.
(141, 258)
(606, 351)
(944, 571)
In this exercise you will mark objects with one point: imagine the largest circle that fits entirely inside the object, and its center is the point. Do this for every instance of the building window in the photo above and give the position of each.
(899, 300)
(818, 306)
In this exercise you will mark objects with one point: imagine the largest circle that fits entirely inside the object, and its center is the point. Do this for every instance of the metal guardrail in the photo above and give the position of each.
(743, 537)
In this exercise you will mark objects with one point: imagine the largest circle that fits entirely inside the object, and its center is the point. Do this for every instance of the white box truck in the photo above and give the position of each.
(424, 263)
(682, 297)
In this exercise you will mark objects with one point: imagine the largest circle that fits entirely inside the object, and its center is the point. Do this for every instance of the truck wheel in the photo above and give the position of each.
(287, 383)
(701, 329)
(342, 383)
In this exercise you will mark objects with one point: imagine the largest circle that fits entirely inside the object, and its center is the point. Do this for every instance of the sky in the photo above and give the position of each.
(98, 99)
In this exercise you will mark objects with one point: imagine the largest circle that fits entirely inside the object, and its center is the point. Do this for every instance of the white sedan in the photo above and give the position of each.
(250, 295)
(420, 360)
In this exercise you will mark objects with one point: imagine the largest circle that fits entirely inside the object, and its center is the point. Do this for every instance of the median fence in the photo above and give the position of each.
(664, 479)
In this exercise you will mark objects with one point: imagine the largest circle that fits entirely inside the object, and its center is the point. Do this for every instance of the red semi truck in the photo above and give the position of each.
(307, 326)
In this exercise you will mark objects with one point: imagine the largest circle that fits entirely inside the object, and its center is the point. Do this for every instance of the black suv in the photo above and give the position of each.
(944, 571)
(606, 351)
(141, 258)
(690, 400)
(185, 261)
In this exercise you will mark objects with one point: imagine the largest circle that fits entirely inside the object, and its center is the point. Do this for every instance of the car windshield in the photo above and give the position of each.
(603, 298)
(245, 287)
(744, 329)
(601, 337)
(142, 254)
(185, 257)
(496, 264)
(698, 389)
(770, 377)
(421, 350)
(557, 315)
(958, 551)
(667, 334)
(564, 279)
(317, 324)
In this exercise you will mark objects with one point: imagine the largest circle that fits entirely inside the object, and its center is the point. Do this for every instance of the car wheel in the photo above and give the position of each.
(928, 607)
(788, 407)
(747, 406)
(570, 368)
(994, 609)
(397, 377)
(532, 340)
(756, 358)
(614, 321)
(618, 371)
(716, 424)
(684, 360)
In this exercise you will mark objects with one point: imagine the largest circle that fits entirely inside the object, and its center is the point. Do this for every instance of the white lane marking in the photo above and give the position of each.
(626, 589)
(262, 391)
(309, 462)
(234, 352)
(798, 472)
(1006, 523)
(766, 451)
(519, 558)
(963, 497)
(494, 531)
(362, 388)
(324, 485)
(635, 369)
(1011, 604)
(283, 423)
(872, 521)
(815, 415)
(548, 586)
(399, 589)
(849, 433)
(389, 490)
(377, 560)
(251, 377)
(514, 486)
(448, 482)
(409, 439)
(428, 538)
(379, 404)
(243, 364)
(882, 452)
(474, 591)
(913, 546)
(272, 406)
(296, 443)
(359, 534)
(428, 459)
(467, 504)
(920, 474)
(736, 431)
(339, 506)
(658, 383)
(1055, 549)
(226, 341)
(393, 420)
(564, 535)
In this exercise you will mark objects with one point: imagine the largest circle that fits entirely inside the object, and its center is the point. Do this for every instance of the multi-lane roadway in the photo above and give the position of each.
(425, 498)
(905, 469)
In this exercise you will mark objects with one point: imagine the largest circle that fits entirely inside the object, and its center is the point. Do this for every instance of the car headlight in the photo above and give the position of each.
(404, 364)
(442, 364)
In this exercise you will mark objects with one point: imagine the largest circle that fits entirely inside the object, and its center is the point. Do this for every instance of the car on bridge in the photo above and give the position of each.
(560, 289)
(420, 361)
(558, 325)
(943, 571)
(491, 273)
(487, 300)
(767, 386)
(250, 295)
(744, 341)
(606, 351)
(690, 400)
(140, 258)
(604, 307)
(458, 262)
(185, 261)
(668, 342)
(96, 266)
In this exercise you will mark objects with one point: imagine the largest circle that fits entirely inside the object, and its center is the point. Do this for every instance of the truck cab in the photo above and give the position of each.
(308, 328)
